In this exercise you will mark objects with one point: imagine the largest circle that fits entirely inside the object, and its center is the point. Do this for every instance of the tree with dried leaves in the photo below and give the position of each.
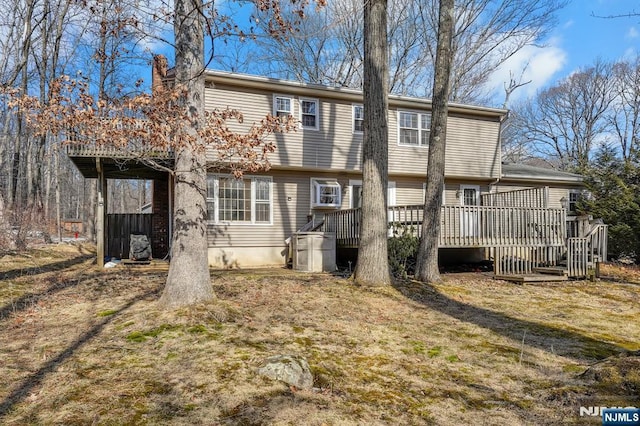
(173, 119)
(188, 281)
(427, 259)
(373, 267)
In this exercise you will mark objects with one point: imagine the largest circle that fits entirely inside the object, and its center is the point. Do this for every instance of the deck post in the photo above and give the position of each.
(100, 213)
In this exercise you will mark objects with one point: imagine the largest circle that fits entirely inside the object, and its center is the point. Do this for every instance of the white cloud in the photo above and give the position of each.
(632, 33)
(538, 64)
(630, 54)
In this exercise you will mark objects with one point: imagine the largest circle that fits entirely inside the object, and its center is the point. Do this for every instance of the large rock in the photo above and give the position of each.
(291, 369)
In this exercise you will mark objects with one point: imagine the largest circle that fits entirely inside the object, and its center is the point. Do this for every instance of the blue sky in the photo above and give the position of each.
(580, 36)
(578, 39)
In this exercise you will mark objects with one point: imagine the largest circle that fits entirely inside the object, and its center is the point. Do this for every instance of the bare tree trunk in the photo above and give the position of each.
(188, 281)
(47, 188)
(373, 266)
(58, 207)
(16, 190)
(427, 261)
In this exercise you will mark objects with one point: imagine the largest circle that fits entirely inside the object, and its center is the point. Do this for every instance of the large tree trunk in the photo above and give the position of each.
(373, 266)
(188, 281)
(427, 261)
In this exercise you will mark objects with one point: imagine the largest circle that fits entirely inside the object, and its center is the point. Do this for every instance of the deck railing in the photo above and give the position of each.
(466, 226)
(578, 226)
(521, 260)
(530, 197)
(585, 252)
(137, 145)
(346, 225)
(131, 150)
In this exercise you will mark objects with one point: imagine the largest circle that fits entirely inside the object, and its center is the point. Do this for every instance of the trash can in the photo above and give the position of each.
(314, 251)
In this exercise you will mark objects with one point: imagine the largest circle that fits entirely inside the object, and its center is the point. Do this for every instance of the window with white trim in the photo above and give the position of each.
(413, 128)
(309, 113)
(575, 196)
(325, 193)
(425, 128)
(246, 200)
(212, 190)
(282, 106)
(358, 119)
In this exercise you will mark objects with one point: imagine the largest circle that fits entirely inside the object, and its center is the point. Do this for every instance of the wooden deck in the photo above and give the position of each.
(466, 226)
(521, 241)
(532, 278)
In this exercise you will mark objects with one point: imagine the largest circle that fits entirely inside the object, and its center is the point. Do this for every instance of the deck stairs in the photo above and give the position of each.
(580, 259)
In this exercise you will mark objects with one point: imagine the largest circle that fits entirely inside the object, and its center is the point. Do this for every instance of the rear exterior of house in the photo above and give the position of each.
(316, 170)
(512, 214)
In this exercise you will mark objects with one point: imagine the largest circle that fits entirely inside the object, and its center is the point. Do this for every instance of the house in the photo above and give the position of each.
(315, 174)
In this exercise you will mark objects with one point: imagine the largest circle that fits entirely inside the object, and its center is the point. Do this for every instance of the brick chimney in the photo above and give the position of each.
(158, 73)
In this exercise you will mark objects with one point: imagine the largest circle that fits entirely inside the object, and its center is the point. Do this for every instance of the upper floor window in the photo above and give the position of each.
(413, 128)
(246, 200)
(282, 106)
(358, 119)
(309, 113)
(325, 193)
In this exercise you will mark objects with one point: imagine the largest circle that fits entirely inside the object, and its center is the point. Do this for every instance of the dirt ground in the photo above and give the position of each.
(79, 345)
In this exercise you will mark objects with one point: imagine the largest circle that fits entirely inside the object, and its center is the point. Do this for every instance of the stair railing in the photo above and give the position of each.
(585, 252)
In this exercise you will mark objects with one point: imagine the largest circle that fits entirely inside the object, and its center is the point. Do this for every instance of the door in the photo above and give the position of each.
(356, 193)
(469, 216)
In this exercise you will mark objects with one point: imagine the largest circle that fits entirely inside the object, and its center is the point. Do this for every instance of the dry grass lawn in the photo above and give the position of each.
(82, 346)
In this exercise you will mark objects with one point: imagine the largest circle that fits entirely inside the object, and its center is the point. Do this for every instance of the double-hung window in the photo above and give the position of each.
(325, 193)
(309, 113)
(246, 200)
(282, 106)
(358, 119)
(425, 128)
(575, 196)
(413, 128)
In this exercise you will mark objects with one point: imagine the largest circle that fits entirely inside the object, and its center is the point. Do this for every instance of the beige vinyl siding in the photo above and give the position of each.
(288, 216)
(471, 149)
(472, 142)
(332, 146)
(291, 204)
(410, 191)
(555, 194)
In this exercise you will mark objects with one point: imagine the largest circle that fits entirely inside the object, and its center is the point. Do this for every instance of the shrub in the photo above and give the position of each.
(402, 249)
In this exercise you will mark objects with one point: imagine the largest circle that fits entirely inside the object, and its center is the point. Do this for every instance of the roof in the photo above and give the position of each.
(525, 172)
(353, 95)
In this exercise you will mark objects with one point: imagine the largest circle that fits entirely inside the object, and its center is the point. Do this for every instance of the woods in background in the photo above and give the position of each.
(589, 123)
